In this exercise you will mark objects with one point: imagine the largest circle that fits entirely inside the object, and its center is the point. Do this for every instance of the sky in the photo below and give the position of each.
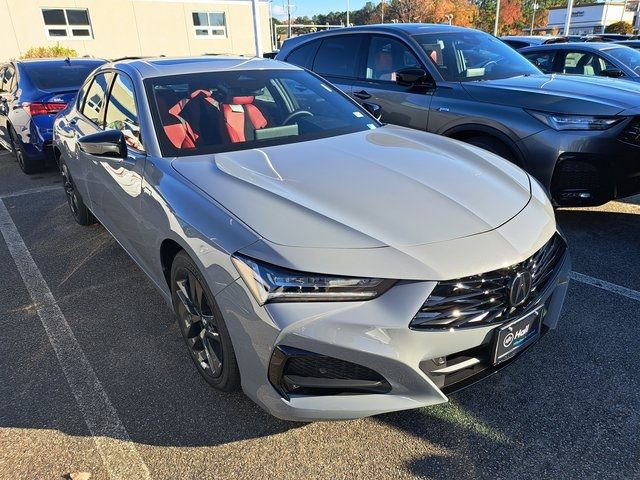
(312, 7)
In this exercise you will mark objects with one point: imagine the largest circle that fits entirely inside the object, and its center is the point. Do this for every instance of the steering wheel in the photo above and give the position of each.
(295, 114)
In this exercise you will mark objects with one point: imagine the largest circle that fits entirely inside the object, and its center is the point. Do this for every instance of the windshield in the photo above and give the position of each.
(471, 56)
(628, 56)
(59, 76)
(235, 110)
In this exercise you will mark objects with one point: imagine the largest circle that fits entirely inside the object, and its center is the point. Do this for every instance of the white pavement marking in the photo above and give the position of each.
(604, 285)
(29, 191)
(118, 453)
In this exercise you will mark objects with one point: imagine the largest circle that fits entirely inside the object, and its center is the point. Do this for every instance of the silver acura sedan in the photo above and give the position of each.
(331, 266)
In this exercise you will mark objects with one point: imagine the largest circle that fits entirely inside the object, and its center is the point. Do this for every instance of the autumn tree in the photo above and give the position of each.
(619, 27)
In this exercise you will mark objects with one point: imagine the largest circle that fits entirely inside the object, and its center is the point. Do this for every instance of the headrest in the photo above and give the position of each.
(241, 100)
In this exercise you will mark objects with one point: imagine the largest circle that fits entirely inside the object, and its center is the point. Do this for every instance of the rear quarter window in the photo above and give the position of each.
(303, 56)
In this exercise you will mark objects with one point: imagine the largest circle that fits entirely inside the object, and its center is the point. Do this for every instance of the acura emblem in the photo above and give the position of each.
(520, 288)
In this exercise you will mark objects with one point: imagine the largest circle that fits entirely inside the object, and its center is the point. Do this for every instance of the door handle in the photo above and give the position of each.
(73, 121)
(362, 95)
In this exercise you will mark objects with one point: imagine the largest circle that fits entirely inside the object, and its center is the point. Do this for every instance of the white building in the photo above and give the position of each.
(593, 18)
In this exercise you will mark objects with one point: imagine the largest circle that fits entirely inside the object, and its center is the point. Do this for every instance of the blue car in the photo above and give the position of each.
(32, 92)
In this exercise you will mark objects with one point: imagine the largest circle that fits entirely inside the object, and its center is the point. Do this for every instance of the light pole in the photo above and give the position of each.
(382, 4)
(533, 17)
(347, 13)
(495, 26)
(256, 28)
(567, 21)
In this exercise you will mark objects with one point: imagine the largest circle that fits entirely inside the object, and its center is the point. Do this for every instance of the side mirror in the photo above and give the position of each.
(612, 73)
(413, 77)
(373, 108)
(110, 143)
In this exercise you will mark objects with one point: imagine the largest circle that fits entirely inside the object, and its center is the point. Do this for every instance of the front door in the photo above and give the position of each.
(116, 184)
(406, 106)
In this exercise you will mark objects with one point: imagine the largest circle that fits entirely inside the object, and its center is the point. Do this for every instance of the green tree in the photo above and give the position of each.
(619, 27)
(50, 52)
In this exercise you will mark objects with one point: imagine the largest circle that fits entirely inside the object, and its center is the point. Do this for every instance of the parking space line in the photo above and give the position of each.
(29, 191)
(604, 285)
(112, 440)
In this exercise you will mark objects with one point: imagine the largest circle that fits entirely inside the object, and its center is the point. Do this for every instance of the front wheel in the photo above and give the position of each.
(202, 326)
(81, 213)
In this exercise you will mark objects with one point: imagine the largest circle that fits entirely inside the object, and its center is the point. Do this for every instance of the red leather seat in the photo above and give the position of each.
(177, 129)
(236, 112)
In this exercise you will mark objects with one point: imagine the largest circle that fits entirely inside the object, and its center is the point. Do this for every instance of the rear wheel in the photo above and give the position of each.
(27, 164)
(202, 326)
(492, 145)
(79, 210)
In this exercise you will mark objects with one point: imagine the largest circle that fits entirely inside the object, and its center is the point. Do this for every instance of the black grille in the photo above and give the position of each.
(484, 299)
(631, 133)
(318, 366)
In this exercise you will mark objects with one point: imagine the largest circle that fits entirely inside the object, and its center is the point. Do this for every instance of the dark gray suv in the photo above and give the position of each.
(579, 136)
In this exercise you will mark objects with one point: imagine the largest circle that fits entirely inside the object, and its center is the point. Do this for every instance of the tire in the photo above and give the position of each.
(81, 213)
(492, 145)
(27, 164)
(202, 325)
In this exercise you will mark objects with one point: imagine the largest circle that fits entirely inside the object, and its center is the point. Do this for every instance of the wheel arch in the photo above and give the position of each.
(169, 248)
(467, 131)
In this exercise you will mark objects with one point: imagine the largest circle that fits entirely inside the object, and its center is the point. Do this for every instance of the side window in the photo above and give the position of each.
(8, 79)
(94, 100)
(386, 56)
(303, 56)
(542, 60)
(337, 56)
(582, 63)
(122, 113)
(81, 94)
(515, 44)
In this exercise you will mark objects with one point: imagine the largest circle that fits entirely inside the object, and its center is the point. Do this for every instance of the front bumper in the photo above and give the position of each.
(374, 334)
(581, 168)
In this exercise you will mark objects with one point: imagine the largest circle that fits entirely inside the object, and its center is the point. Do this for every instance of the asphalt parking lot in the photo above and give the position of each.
(94, 376)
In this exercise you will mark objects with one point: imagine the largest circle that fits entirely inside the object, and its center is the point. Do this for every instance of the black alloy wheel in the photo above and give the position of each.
(202, 326)
(79, 210)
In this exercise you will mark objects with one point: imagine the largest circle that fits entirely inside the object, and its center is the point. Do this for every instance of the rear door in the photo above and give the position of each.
(383, 57)
(337, 60)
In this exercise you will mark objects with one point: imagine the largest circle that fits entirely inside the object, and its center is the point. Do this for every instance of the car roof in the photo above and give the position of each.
(588, 46)
(398, 28)
(58, 61)
(167, 66)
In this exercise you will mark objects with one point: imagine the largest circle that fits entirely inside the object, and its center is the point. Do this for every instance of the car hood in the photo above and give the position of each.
(559, 93)
(385, 187)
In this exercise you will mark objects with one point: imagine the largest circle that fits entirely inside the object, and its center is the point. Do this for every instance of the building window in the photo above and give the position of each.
(67, 23)
(209, 24)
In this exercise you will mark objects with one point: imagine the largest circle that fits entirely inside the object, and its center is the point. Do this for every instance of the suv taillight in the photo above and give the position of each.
(43, 108)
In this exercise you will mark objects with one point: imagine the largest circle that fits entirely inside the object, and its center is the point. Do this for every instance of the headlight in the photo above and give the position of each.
(560, 121)
(270, 284)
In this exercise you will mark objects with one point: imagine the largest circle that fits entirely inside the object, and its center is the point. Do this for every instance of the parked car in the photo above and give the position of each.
(228, 180)
(589, 59)
(521, 41)
(635, 44)
(32, 92)
(577, 136)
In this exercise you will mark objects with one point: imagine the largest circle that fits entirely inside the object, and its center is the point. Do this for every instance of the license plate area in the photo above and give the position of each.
(515, 336)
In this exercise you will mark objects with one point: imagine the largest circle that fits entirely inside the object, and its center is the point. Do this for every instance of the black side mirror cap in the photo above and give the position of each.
(413, 77)
(374, 109)
(612, 73)
(110, 143)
